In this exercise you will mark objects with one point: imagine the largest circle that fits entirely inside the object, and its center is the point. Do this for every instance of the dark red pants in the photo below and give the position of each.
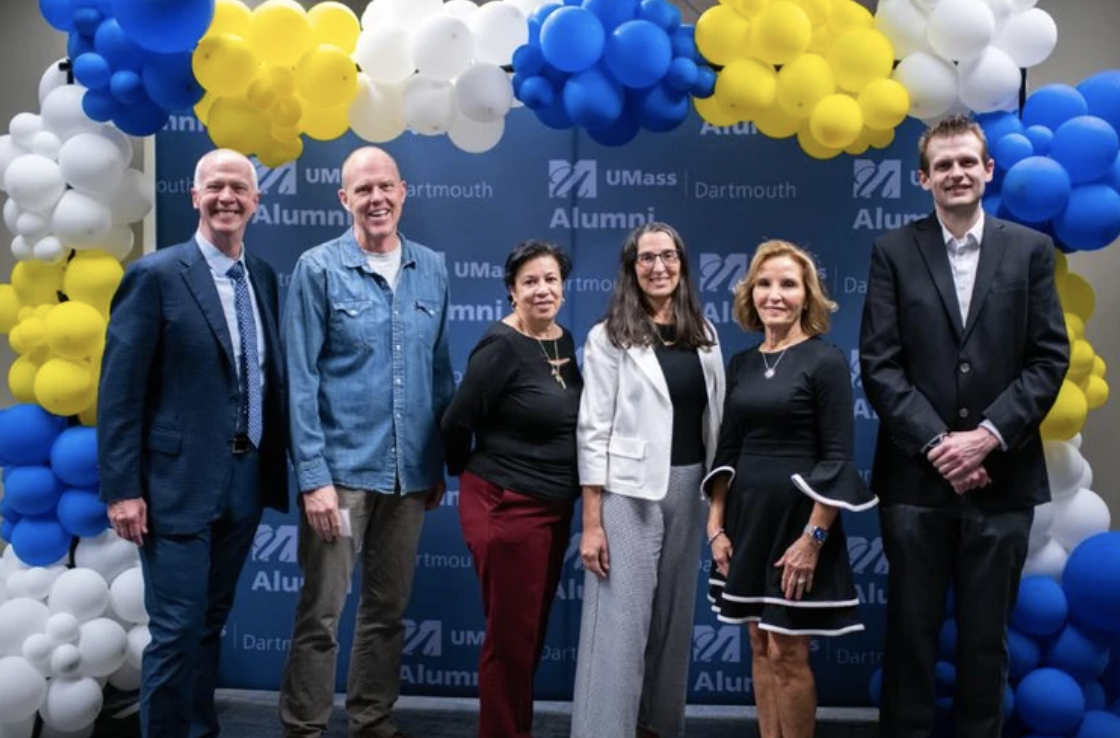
(518, 545)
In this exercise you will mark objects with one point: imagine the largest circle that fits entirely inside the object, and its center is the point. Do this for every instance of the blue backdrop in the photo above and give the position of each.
(725, 189)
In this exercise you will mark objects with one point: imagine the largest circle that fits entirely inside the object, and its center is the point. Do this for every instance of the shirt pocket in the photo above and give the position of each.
(425, 318)
(626, 460)
(351, 324)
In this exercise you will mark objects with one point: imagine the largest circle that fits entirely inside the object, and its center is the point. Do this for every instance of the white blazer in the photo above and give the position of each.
(625, 430)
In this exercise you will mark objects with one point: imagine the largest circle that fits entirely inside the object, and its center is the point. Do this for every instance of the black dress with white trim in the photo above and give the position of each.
(786, 441)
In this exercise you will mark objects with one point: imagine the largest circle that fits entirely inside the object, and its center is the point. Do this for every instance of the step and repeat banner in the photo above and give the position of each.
(726, 189)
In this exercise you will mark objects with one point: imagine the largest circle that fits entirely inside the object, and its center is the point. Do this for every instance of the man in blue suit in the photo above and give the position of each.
(191, 436)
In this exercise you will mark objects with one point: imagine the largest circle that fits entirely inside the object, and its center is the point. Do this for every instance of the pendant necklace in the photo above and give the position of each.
(553, 364)
(769, 373)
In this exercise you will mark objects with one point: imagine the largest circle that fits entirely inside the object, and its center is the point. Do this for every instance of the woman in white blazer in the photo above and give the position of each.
(648, 427)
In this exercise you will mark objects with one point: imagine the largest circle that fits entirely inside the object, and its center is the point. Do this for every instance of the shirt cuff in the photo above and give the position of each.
(313, 474)
(991, 428)
(932, 442)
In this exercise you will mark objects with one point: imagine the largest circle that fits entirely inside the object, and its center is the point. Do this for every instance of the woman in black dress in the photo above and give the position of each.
(518, 402)
(782, 473)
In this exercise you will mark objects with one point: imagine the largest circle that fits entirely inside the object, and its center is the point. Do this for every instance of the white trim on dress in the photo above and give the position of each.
(712, 473)
(802, 485)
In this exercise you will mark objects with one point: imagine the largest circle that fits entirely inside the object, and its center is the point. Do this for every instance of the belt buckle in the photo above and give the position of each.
(241, 444)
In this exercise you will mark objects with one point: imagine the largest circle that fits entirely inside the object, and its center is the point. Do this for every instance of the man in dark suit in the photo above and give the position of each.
(191, 436)
(963, 349)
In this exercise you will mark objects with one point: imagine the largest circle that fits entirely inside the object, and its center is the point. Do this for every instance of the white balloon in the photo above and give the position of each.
(22, 689)
(15, 583)
(23, 128)
(990, 82)
(960, 29)
(1028, 37)
(126, 678)
(20, 618)
(12, 211)
(63, 115)
(428, 105)
(138, 640)
(62, 627)
(92, 163)
(461, 9)
(65, 661)
(1023, 4)
(1040, 527)
(49, 250)
(931, 82)
(86, 732)
(81, 592)
(46, 144)
(1001, 11)
(1064, 467)
(79, 218)
(1076, 441)
(133, 199)
(1086, 477)
(22, 249)
(903, 24)
(126, 595)
(9, 152)
(384, 53)
(107, 554)
(408, 13)
(53, 77)
(3, 591)
(527, 6)
(474, 137)
(120, 140)
(1048, 560)
(1079, 516)
(71, 704)
(32, 225)
(103, 645)
(484, 93)
(377, 113)
(35, 182)
(442, 47)
(118, 242)
(37, 649)
(499, 28)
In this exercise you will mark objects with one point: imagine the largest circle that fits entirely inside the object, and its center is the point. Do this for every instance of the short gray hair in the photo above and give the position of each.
(216, 152)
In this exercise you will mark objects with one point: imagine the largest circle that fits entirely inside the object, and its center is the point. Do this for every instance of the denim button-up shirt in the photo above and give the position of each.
(369, 370)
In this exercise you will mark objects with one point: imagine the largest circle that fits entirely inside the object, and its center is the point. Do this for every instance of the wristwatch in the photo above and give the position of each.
(817, 533)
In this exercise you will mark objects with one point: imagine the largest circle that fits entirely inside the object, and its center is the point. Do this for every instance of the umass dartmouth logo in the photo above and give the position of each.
(423, 637)
(717, 643)
(877, 179)
(579, 178)
(283, 180)
(720, 273)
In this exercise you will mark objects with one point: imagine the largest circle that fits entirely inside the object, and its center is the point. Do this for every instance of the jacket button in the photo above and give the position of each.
(963, 412)
(965, 367)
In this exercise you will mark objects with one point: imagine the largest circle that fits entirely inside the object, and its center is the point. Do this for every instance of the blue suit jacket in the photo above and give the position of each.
(168, 399)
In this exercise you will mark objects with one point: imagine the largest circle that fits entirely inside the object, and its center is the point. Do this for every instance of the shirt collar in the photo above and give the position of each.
(219, 263)
(353, 256)
(976, 231)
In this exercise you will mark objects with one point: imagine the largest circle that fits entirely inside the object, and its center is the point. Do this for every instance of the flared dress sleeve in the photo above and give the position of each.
(730, 431)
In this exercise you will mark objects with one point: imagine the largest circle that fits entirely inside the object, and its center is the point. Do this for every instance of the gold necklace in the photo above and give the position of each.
(553, 364)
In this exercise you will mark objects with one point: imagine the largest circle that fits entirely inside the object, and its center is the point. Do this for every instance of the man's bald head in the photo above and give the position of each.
(374, 193)
(365, 158)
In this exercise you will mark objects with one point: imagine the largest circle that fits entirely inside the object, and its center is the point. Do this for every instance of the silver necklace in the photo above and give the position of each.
(769, 373)
(553, 364)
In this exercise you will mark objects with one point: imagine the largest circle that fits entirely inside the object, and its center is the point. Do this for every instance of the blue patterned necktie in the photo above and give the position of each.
(251, 418)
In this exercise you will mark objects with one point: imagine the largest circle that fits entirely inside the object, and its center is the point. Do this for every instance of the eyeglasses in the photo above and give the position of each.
(669, 257)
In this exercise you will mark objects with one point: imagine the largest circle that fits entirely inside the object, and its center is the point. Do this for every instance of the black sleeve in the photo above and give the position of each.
(730, 429)
(491, 365)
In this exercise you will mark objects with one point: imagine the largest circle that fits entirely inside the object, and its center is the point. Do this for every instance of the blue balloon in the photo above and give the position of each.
(1095, 698)
(993, 203)
(1053, 105)
(1102, 92)
(1024, 655)
(57, 13)
(1086, 146)
(1040, 137)
(945, 679)
(660, 108)
(1041, 608)
(1091, 581)
(1099, 724)
(27, 433)
(997, 125)
(612, 13)
(170, 82)
(536, 93)
(661, 14)
(638, 54)
(572, 39)
(947, 641)
(622, 131)
(1090, 222)
(118, 49)
(144, 118)
(875, 687)
(528, 60)
(92, 71)
(82, 513)
(705, 85)
(592, 99)
(74, 456)
(100, 105)
(126, 86)
(1076, 654)
(40, 541)
(78, 44)
(537, 19)
(1111, 679)
(683, 74)
(1050, 702)
(684, 43)
(1035, 190)
(1012, 149)
(86, 19)
(32, 490)
(7, 527)
(554, 115)
(164, 26)
(1008, 701)
(7, 512)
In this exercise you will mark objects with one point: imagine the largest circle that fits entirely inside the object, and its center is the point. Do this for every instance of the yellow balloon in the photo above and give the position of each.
(1081, 357)
(276, 152)
(261, 94)
(1099, 367)
(1075, 292)
(1075, 327)
(781, 32)
(803, 83)
(836, 122)
(711, 111)
(9, 308)
(821, 40)
(775, 122)
(27, 336)
(280, 31)
(747, 8)
(37, 283)
(334, 23)
(1095, 389)
(284, 133)
(326, 77)
(746, 87)
(879, 139)
(860, 55)
(1065, 419)
(224, 64)
(847, 14)
(202, 107)
(64, 387)
(1061, 267)
(885, 103)
(812, 146)
(21, 379)
(75, 330)
(282, 80)
(325, 124)
(230, 16)
(722, 35)
(25, 312)
(88, 417)
(236, 124)
(93, 278)
(817, 10)
(860, 145)
(287, 112)
(42, 311)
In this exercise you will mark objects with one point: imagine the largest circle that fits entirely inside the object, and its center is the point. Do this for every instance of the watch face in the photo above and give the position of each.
(819, 535)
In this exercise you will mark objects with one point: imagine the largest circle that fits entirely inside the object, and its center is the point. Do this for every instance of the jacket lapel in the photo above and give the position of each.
(933, 251)
(646, 360)
(201, 285)
(991, 256)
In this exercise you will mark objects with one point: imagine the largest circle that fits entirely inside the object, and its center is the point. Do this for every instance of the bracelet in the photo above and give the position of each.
(712, 538)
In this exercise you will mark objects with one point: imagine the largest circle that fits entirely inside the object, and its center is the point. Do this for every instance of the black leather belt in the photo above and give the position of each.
(241, 444)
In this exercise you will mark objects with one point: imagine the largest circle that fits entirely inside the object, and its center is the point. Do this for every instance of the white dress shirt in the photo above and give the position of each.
(219, 264)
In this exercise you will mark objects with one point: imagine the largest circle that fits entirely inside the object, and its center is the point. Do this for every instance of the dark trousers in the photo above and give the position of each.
(189, 584)
(518, 544)
(982, 555)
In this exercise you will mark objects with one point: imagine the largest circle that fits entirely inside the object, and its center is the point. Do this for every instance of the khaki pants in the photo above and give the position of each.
(386, 532)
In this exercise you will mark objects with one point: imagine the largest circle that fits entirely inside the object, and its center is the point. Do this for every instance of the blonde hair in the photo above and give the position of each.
(815, 319)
